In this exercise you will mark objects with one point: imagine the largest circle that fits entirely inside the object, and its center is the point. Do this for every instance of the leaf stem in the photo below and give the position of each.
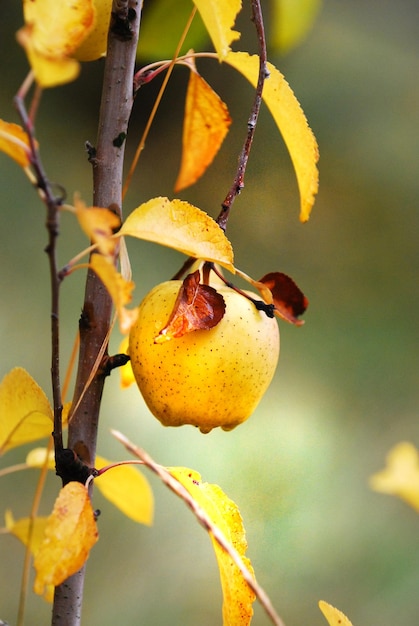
(28, 555)
(267, 307)
(238, 182)
(150, 120)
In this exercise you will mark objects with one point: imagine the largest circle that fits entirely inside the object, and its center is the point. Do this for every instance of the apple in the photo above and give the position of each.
(206, 378)
(96, 42)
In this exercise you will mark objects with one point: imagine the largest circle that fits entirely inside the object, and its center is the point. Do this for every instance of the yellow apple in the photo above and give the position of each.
(206, 378)
(95, 44)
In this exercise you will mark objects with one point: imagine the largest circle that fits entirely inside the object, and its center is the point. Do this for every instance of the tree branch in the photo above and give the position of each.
(52, 203)
(205, 521)
(238, 182)
(116, 105)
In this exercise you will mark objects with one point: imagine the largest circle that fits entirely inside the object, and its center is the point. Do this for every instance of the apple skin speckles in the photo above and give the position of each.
(206, 378)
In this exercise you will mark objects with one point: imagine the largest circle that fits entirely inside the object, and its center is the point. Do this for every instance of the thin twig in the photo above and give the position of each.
(52, 204)
(52, 223)
(238, 182)
(205, 522)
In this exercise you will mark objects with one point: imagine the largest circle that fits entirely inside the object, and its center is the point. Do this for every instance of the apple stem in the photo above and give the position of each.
(268, 309)
(185, 267)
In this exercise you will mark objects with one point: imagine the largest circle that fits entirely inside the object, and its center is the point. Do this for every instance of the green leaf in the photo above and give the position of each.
(292, 123)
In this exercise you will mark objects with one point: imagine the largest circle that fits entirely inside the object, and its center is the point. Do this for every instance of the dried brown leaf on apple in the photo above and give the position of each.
(289, 300)
(197, 307)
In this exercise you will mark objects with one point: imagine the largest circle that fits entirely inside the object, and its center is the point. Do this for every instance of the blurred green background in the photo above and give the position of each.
(346, 388)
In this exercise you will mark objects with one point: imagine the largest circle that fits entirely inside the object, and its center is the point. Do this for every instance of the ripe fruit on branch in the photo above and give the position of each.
(206, 378)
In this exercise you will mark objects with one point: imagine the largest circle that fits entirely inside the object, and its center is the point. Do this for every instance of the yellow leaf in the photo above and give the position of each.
(20, 529)
(58, 28)
(96, 43)
(123, 485)
(52, 32)
(401, 476)
(70, 534)
(25, 411)
(127, 375)
(290, 22)
(128, 490)
(292, 123)
(36, 458)
(118, 288)
(48, 72)
(14, 142)
(219, 17)
(99, 224)
(124, 261)
(65, 414)
(223, 512)
(182, 226)
(333, 616)
(205, 125)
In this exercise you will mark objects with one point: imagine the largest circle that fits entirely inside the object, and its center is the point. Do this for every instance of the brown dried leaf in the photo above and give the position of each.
(289, 300)
(197, 307)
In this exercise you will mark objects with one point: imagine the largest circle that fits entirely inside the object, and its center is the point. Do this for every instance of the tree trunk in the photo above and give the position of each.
(107, 162)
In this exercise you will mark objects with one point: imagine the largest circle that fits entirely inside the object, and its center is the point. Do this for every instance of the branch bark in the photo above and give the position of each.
(238, 182)
(115, 110)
